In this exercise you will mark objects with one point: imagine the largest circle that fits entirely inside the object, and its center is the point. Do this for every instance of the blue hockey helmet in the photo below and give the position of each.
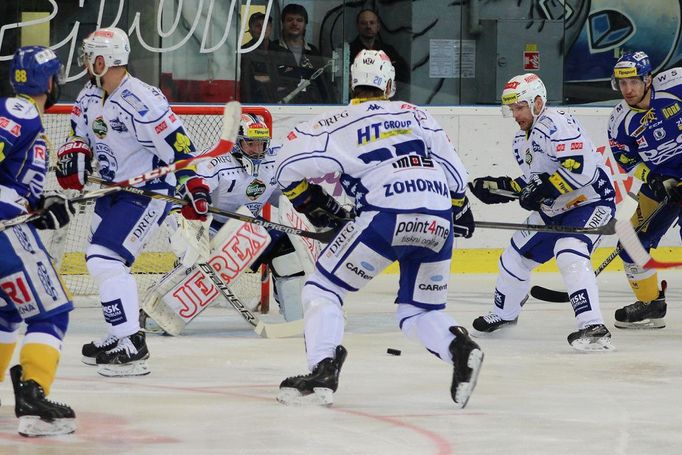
(31, 68)
(633, 64)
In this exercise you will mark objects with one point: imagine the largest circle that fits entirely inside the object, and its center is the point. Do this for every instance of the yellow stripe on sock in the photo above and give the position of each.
(39, 362)
(645, 290)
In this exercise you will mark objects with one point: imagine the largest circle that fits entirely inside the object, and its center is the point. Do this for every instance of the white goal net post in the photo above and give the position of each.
(67, 246)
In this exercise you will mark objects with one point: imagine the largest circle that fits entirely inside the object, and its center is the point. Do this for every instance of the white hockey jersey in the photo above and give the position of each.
(232, 186)
(391, 156)
(557, 145)
(130, 131)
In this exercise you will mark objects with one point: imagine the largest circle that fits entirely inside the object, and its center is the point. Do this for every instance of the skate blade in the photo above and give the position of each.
(600, 345)
(465, 389)
(646, 324)
(497, 332)
(293, 397)
(138, 368)
(33, 426)
(89, 361)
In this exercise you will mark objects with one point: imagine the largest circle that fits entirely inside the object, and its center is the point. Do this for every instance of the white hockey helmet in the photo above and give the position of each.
(253, 140)
(524, 87)
(373, 69)
(110, 43)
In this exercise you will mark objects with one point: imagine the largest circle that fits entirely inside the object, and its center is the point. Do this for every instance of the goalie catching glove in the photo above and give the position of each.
(74, 164)
(487, 189)
(462, 217)
(57, 213)
(195, 190)
(320, 208)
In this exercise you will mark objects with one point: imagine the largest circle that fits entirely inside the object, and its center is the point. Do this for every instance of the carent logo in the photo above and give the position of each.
(511, 85)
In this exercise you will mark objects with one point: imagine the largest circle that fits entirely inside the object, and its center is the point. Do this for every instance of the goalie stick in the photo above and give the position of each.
(281, 330)
(550, 295)
(324, 236)
(607, 229)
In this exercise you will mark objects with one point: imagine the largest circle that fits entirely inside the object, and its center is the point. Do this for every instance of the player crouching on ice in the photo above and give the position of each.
(243, 178)
(409, 185)
(564, 182)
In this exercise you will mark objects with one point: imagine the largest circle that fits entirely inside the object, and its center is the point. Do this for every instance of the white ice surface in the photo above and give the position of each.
(212, 390)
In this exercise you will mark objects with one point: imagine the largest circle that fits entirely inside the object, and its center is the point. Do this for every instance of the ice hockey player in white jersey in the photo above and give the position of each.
(409, 186)
(243, 178)
(564, 182)
(130, 129)
(30, 288)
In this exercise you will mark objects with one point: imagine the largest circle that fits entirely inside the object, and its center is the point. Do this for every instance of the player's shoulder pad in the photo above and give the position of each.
(325, 122)
(421, 115)
(549, 121)
(145, 101)
(20, 109)
(618, 114)
(668, 79)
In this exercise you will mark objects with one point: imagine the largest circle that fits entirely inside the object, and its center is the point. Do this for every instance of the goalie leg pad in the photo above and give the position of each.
(289, 279)
(156, 308)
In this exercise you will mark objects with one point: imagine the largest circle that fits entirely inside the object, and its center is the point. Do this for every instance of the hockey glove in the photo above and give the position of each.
(57, 212)
(74, 164)
(462, 218)
(195, 190)
(536, 192)
(486, 188)
(664, 186)
(321, 209)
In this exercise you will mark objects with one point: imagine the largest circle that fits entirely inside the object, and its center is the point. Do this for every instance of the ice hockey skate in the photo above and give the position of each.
(91, 350)
(643, 315)
(485, 325)
(127, 358)
(592, 338)
(467, 359)
(37, 415)
(317, 387)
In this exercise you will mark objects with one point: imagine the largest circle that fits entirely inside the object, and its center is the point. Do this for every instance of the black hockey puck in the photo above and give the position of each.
(393, 351)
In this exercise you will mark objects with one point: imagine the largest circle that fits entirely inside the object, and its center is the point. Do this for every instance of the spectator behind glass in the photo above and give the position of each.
(369, 26)
(297, 61)
(258, 72)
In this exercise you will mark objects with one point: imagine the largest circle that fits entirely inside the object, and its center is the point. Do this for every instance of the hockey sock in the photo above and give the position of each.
(39, 359)
(428, 327)
(644, 283)
(323, 329)
(573, 260)
(513, 284)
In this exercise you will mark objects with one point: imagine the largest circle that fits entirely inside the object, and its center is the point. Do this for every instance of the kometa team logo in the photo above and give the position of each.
(99, 127)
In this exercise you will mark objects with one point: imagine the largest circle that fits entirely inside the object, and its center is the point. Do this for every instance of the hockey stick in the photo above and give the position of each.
(628, 238)
(282, 330)
(28, 217)
(607, 229)
(550, 295)
(231, 117)
(324, 236)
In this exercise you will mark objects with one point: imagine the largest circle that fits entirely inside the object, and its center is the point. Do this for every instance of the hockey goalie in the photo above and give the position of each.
(242, 182)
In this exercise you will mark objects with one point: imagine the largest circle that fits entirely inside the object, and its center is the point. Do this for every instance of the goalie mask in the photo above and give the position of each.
(253, 140)
(109, 43)
(523, 88)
